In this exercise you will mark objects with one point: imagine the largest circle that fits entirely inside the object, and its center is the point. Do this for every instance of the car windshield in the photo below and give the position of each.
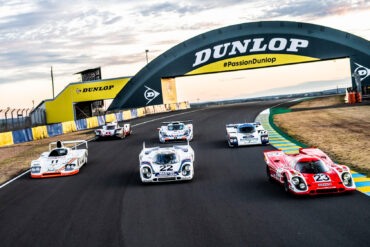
(165, 158)
(311, 167)
(246, 129)
(111, 127)
(175, 127)
(58, 152)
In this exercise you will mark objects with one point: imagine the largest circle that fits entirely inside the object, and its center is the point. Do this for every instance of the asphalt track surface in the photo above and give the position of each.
(229, 202)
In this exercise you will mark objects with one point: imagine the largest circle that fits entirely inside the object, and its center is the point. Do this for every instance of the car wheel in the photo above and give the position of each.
(286, 185)
(268, 173)
(85, 159)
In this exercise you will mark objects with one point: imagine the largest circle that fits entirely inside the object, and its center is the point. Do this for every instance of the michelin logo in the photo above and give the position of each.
(150, 94)
(362, 71)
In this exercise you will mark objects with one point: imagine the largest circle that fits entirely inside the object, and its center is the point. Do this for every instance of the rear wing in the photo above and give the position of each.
(61, 143)
(184, 122)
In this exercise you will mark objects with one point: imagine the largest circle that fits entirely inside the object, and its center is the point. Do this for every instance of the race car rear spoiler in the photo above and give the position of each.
(185, 121)
(235, 125)
(61, 143)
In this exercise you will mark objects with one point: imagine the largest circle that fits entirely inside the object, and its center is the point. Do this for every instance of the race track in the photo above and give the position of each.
(229, 202)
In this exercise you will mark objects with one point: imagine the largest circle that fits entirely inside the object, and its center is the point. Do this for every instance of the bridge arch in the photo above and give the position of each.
(245, 46)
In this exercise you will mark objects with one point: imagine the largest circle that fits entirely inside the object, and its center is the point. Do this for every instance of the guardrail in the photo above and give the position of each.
(45, 131)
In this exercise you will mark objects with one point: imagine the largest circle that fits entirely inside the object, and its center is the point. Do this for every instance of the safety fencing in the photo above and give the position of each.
(14, 119)
(45, 131)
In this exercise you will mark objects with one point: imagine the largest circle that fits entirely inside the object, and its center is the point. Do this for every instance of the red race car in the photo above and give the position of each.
(310, 172)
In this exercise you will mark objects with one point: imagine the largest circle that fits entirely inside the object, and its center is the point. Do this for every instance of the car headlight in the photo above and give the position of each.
(295, 181)
(147, 173)
(145, 170)
(69, 167)
(346, 177)
(186, 170)
(299, 183)
(35, 169)
(302, 186)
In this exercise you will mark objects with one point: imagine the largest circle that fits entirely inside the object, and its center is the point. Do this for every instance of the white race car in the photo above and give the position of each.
(113, 130)
(166, 164)
(176, 131)
(242, 134)
(60, 161)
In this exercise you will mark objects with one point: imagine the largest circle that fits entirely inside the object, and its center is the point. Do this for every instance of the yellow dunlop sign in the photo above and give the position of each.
(97, 90)
(61, 109)
(251, 61)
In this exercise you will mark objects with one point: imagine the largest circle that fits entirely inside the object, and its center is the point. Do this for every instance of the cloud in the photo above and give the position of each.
(184, 7)
(313, 9)
(167, 8)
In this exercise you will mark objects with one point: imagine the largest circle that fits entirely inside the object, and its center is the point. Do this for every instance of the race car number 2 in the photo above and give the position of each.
(166, 168)
(321, 178)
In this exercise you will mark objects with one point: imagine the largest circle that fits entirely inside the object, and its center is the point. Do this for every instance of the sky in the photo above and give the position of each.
(75, 35)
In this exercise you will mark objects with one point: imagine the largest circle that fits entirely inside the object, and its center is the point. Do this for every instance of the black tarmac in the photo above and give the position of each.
(229, 202)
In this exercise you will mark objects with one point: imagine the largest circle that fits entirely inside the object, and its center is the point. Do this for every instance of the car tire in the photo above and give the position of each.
(85, 159)
(268, 174)
(286, 185)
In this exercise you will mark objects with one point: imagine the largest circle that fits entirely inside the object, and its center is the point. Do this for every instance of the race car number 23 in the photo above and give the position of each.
(166, 168)
(321, 178)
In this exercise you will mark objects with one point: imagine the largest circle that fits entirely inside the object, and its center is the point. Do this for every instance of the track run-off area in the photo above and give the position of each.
(228, 203)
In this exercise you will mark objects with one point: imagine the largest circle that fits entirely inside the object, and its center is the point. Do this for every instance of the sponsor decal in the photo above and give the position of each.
(325, 184)
(95, 89)
(251, 61)
(78, 90)
(249, 46)
(150, 94)
(362, 71)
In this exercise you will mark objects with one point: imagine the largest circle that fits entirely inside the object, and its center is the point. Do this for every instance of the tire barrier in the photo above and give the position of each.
(45, 131)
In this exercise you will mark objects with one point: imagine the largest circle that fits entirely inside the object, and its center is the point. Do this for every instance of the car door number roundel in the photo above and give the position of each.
(321, 178)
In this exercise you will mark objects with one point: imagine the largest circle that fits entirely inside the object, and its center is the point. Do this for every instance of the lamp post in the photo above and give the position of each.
(146, 54)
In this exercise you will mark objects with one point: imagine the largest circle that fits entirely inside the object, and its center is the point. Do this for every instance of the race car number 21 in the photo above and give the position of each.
(166, 168)
(321, 178)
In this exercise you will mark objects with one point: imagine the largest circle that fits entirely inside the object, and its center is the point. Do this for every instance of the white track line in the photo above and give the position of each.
(24, 173)
(166, 117)
(13, 179)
